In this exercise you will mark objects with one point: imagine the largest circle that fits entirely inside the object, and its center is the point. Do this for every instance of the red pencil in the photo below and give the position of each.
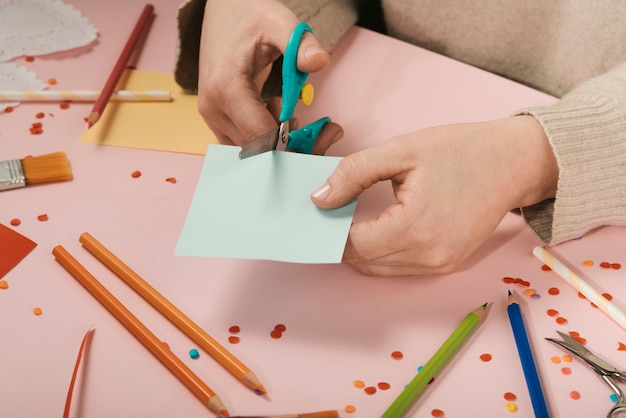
(122, 61)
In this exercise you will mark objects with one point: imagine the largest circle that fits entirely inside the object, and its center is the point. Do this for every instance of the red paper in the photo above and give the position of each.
(13, 248)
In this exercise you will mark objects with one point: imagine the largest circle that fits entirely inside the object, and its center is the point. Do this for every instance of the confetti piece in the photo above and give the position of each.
(64, 105)
(605, 265)
(4, 284)
(561, 320)
(194, 354)
(552, 312)
(40, 115)
(616, 266)
(29, 58)
(280, 328)
(135, 174)
(613, 397)
(510, 396)
(370, 390)
(530, 292)
(52, 81)
(349, 409)
(485, 357)
(546, 267)
(621, 347)
(15, 222)
(567, 358)
(276, 334)
(437, 413)
(42, 218)
(566, 371)
(234, 340)
(574, 395)
(555, 359)
(554, 291)
(507, 280)
(397, 355)
(359, 384)
(511, 407)
(234, 329)
(9, 109)
(83, 346)
(37, 311)
(171, 180)
(588, 263)
(383, 385)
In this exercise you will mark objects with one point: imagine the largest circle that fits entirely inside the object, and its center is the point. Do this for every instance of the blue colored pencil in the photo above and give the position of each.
(526, 356)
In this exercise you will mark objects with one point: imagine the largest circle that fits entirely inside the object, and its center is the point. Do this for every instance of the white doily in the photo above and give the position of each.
(16, 77)
(38, 27)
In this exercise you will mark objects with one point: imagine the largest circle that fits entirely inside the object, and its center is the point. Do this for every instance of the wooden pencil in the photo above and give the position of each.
(321, 414)
(118, 69)
(141, 332)
(171, 312)
(527, 359)
(41, 169)
(437, 361)
(84, 96)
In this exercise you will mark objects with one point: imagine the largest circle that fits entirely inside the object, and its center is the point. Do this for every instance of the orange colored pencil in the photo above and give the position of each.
(141, 332)
(171, 312)
(118, 69)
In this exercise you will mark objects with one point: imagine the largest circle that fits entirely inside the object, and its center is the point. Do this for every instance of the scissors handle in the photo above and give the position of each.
(302, 140)
(293, 79)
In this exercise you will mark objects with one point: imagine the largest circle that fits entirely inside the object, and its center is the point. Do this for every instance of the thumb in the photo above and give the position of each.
(353, 174)
(311, 56)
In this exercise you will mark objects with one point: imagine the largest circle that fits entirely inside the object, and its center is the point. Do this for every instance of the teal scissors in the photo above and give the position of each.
(281, 138)
(605, 370)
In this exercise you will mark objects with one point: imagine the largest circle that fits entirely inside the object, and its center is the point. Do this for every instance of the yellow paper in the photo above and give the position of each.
(163, 126)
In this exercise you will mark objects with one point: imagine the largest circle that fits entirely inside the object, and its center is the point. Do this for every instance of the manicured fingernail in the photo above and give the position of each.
(322, 193)
(312, 50)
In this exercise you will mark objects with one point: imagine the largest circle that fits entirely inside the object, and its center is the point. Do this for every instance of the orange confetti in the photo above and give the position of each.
(510, 396)
(15, 222)
(136, 174)
(37, 311)
(552, 312)
(233, 339)
(359, 384)
(588, 263)
(485, 357)
(554, 291)
(349, 409)
(43, 217)
(437, 413)
(171, 180)
(567, 358)
(370, 390)
(383, 385)
(64, 105)
(607, 296)
(574, 395)
(29, 58)
(397, 355)
(4, 284)
(580, 295)
(52, 81)
(530, 292)
(40, 115)
(566, 371)
(561, 321)
(621, 347)
(9, 109)
(555, 359)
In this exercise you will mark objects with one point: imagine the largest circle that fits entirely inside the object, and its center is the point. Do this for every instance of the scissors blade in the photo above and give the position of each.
(599, 365)
(264, 143)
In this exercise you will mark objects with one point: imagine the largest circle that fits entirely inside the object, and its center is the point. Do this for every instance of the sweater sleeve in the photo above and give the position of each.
(587, 132)
(329, 19)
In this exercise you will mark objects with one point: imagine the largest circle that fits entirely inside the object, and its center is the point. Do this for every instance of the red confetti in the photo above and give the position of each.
(234, 329)
(552, 312)
(605, 265)
(510, 396)
(485, 357)
(276, 334)
(437, 413)
(40, 115)
(554, 291)
(566, 371)
(136, 174)
(574, 395)
(507, 280)
(397, 355)
(64, 105)
(280, 328)
(370, 390)
(29, 58)
(383, 385)
(43, 217)
(233, 339)
(621, 347)
(546, 267)
(15, 222)
(9, 109)
(561, 321)
(616, 266)
(171, 180)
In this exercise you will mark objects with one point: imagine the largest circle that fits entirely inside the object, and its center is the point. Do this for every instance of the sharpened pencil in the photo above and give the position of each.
(141, 332)
(437, 361)
(526, 357)
(171, 312)
(321, 414)
(118, 69)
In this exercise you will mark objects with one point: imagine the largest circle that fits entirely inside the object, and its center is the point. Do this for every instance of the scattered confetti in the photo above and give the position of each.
(555, 359)
(4, 284)
(530, 292)
(64, 105)
(566, 371)
(234, 339)
(511, 407)
(349, 409)
(278, 330)
(554, 291)
(613, 397)
(546, 267)
(397, 355)
(52, 81)
(40, 115)
(359, 384)
(588, 263)
(9, 109)
(37, 311)
(567, 358)
(383, 385)
(193, 353)
(171, 180)
(370, 390)
(510, 396)
(29, 58)
(485, 357)
(507, 280)
(552, 312)
(43, 217)
(234, 329)
(605, 265)
(561, 320)
(577, 337)
(574, 395)
(616, 266)
(15, 222)
(621, 347)
(437, 413)
(136, 174)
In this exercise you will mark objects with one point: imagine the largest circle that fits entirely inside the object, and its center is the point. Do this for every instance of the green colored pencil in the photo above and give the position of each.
(438, 360)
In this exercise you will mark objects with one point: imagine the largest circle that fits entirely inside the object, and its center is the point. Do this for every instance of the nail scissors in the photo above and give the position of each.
(605, 370)
(280, 138)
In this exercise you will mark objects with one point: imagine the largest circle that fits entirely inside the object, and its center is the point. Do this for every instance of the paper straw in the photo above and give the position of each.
(84, 96)
(580, 285)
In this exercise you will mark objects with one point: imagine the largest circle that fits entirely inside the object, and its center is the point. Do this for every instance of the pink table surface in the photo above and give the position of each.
(341, 326)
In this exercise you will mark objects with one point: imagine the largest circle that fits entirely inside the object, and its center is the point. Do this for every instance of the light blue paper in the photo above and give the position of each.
(260, 208)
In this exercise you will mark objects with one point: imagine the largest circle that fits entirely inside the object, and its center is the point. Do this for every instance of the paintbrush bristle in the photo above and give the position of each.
(47, 168)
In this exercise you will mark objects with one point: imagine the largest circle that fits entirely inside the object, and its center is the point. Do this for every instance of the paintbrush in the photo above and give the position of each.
(322, 414)
(46, 168)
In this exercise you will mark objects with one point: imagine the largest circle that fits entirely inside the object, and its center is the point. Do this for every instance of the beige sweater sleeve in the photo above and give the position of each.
(329, 20)
(587, 132)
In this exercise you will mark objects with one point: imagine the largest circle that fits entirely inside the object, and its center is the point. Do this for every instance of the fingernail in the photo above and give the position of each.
(312, 50)
(322, 192)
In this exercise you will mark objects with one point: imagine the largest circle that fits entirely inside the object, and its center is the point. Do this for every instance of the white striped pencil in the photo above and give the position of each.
(579, 284)
(84, 96)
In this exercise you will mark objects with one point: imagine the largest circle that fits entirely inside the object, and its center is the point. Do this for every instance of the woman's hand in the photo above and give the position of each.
(453, 185)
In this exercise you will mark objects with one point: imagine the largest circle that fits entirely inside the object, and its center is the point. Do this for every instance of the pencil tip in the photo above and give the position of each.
(224, 413)
(260, 390)
(485, 305)
(510, 293)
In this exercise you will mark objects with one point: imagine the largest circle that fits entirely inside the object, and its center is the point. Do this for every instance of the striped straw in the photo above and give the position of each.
(579, 284)
(84, 96)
